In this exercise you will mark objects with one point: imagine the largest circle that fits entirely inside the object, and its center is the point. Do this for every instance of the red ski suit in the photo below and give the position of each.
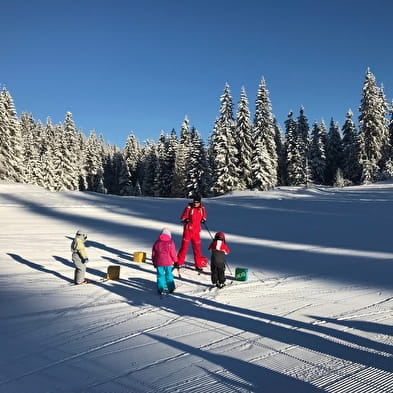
(191, 218)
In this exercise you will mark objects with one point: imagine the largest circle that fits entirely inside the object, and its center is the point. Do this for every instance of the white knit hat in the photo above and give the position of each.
(166, 231)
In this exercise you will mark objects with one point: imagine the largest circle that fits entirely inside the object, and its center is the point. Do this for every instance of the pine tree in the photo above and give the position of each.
(151, 168)
(372, 129)
(93, 164)
(303, 131)
(11, 163)
(132, 153)
(49, 161)
(280, 151)
(178, 183)
(350, 164)
(161, 151)
(171, 147)
(117, 178)
(70, 158)
(390, 128)
(224, 153)
(334, 153)
(264, 158)
(296, 168)
(389, 163)
(31, 151)
(385, 163)
(243, 141)
(111, 173)
(196, 181)
(318, 154)
(166, 149)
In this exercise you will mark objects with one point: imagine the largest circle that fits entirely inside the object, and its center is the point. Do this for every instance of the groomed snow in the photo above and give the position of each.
(315, 314)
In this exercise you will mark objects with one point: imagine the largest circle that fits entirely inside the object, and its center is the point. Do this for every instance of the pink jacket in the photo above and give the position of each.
(164, 251)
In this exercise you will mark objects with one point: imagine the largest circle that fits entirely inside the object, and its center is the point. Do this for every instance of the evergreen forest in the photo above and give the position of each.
(242, 152)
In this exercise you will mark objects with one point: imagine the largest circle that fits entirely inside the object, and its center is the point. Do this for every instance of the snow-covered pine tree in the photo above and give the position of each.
(11, 159)
(280, 151)
(132, 154)
(59, 169)
(49, 153)
(334, 152)
(390, 128)
(389, 163)
(317, 160)
(93, 164)
(118, 173)
(224, 153)
(244, 142)
(166, 161)
(303, 130)
(31, 137)
(296, 168)
(70, 155)
(111, 170)
(169, 163)
(385, 163)
(264, 160)
(372, 129)
(197, 168)
(178, 183)
(150, 168)
(102, 151)
(350, 164)
(124, 178)
(81, 147)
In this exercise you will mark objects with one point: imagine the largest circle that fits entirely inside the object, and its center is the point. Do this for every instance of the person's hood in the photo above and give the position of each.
(165, 237)
(220, 235)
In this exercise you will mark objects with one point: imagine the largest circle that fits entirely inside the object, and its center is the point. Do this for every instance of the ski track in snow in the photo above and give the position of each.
(280, 331)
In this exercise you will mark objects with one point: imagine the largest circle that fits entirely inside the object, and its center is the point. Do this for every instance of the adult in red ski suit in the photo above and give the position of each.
(193, 216)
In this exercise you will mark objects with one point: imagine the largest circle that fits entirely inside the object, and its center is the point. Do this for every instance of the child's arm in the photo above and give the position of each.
(80, 247)
(172, 252)
(153, 255)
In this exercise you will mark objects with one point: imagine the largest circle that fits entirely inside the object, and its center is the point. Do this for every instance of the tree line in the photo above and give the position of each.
(242, 153)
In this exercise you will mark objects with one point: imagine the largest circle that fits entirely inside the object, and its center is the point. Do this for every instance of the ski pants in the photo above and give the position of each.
(217, 267)
(80, 268)
(165, 280)
(195, 238)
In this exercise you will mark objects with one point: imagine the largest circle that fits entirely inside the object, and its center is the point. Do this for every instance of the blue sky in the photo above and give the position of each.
(140, 66)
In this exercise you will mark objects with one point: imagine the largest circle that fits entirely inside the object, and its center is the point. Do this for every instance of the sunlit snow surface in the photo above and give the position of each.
(315, 314)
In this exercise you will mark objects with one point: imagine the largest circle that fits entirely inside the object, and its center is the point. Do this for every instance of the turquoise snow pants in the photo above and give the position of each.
(165, 280)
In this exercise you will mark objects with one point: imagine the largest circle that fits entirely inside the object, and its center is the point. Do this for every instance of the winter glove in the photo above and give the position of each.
(186, 221)
(86, 260)
(203, 221)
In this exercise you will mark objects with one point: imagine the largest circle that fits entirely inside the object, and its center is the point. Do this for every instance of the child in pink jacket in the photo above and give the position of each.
(163, 256)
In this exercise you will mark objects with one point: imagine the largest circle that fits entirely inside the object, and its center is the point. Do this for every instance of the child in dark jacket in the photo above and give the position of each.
(163, 255)
(219, 249)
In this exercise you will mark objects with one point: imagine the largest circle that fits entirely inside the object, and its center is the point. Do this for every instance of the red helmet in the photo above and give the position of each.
(219, 236)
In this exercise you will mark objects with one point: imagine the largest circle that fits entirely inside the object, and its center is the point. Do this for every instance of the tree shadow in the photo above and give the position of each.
(366, 326)
(317, 328)
(246, 376)
(89, 269)
(285, 330)
(326, 235)
(39, 267)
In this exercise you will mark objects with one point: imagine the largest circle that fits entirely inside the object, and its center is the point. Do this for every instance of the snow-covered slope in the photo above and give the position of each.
(315, 315)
